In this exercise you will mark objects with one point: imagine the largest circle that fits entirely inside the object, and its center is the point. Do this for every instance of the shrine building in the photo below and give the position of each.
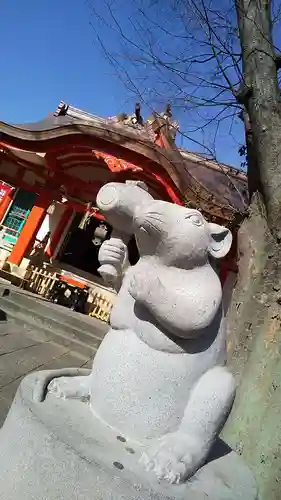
(51, 171)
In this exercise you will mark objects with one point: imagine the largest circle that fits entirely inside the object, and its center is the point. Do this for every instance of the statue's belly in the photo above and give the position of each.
(122, 315)
(129, 315)
(126, 314)
(139, 391)
(127, 318)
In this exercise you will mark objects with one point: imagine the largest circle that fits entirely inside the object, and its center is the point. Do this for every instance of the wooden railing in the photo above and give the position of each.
(42, 281)
(101, 308)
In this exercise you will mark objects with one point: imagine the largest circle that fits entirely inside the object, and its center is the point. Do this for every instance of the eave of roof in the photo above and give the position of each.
(215, 165)
(134, 151)
(75, 126)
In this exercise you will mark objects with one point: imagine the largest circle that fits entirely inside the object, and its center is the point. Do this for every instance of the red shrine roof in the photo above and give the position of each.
(214, 188)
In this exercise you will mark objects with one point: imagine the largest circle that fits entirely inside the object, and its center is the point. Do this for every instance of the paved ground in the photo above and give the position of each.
(24, 351)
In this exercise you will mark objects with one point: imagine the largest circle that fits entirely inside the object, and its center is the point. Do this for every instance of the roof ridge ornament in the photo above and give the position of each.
(61, 109)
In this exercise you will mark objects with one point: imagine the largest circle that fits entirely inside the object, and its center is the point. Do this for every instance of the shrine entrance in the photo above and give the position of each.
(82, 243)
(80, 248)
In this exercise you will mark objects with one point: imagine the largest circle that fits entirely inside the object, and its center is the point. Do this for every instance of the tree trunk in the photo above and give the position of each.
(262, 100)
(254, 331)
(254, 322)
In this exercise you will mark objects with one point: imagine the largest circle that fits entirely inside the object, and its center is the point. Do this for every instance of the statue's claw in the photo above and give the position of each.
(70, 388)
(175, 457)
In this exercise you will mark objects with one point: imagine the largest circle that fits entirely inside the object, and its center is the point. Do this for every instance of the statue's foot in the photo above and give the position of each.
(175, 457)
(70, 387)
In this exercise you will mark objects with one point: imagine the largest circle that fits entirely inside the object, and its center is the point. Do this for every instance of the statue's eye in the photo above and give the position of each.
(196, 219)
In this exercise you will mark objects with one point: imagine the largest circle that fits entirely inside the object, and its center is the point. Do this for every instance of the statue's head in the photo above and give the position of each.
(180, 236)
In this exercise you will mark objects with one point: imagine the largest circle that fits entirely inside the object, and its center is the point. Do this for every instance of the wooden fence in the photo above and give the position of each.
(101, 307)
(42, 281)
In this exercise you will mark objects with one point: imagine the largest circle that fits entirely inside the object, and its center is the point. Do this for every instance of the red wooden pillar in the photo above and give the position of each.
(30, 228)
(55, 238)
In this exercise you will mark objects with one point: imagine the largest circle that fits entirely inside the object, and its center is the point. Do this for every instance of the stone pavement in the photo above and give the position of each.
(23, 351)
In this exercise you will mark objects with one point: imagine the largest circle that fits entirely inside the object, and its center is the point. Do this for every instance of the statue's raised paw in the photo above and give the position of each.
(113, 251)
(70, 388)
(175, 457)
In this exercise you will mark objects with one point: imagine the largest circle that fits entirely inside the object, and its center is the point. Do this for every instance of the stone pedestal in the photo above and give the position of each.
(55, 449)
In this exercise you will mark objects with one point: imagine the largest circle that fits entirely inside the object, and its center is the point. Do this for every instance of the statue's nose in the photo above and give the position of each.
(107, 198)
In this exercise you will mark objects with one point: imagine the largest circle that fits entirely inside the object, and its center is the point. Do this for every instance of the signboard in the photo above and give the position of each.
(5, 189)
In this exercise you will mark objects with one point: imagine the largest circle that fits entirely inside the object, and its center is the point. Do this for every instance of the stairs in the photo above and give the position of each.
(46, 321)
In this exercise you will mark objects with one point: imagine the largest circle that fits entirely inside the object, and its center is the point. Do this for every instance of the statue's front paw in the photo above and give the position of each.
(70, 388)
(144, 283)
(175, 457)
(138, 287)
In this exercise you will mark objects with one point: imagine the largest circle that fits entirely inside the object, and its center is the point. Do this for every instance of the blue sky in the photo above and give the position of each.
(50, 53)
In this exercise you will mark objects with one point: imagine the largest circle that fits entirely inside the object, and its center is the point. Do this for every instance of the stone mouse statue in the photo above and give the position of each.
(159, 377)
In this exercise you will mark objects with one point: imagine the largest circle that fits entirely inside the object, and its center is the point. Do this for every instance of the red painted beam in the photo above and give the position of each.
(159, 179)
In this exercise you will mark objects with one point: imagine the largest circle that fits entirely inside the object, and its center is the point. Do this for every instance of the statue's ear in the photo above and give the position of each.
(140, 184)
(220, 241)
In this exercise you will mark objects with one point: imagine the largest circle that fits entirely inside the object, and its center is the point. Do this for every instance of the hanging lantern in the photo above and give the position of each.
(63, 194)
(86, 217)
(99, 234)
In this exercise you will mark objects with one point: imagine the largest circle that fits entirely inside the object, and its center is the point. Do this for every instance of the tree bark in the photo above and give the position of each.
(254, 321)
(263, 99)
(254, 345)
